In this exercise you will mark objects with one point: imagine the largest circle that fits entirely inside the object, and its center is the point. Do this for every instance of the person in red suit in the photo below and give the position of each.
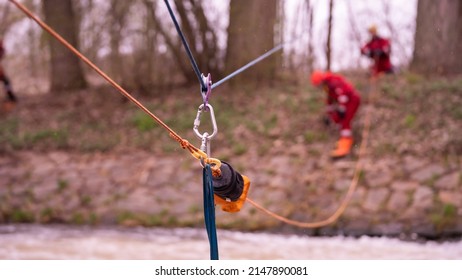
(342, 104)
(11, 97)
(378, 49)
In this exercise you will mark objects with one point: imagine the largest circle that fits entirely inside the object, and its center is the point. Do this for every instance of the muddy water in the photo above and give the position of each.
(64, 242)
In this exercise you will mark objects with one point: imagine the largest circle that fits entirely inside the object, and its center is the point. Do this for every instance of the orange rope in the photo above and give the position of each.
(351, 188)
(197, 153)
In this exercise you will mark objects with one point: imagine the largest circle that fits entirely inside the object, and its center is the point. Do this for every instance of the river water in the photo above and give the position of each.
(66, 242)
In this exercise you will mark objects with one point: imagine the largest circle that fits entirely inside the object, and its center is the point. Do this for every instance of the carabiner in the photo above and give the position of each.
(205, 143)
(208, 83)
(197, 122)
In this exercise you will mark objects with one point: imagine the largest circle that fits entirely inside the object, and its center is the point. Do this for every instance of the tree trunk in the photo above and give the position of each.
(251, 34)
(310, 54)
(209, 56)
(354, 33)
(329, 36)
(118, 12)
(66, 71)
(438, 37)
(190, 36)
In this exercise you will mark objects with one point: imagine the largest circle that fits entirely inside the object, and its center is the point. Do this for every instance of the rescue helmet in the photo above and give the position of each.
(317, 77)
(372, 29)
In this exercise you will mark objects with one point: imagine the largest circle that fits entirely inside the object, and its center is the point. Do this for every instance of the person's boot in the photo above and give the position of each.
(230, 189)
(343, 148)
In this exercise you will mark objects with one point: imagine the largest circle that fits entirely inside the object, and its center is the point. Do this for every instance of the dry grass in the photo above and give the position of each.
(411, 115)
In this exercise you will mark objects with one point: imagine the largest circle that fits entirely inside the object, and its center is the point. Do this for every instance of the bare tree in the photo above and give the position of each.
(118, 12)
(151, 67)
(201, 37)
(9, 16)
(396, 42)
(66, 71)
(173, 44)
(329, 36)
(91, 27)
(4, 18)
(301, 59)
(438, 37)
(355, 34)
(250, 34)
(310, 54)
(208, 57)
(144, 58)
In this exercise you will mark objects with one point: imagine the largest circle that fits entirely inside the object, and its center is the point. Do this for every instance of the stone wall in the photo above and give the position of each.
(395, 196)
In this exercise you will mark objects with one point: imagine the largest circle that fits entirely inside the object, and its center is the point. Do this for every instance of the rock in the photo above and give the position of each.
(378, 179)
(357, 227)
(342, 184)
(423, 198)
(451, 197)
(358, 195)
(398, 202)
(139, 200)
(449, 182)
(298, 149)
(44, 168)
(98, 185)
(423, 229)
(411, 163)
(278, 180)
(389, 229)
(59, 158)
(375, 199)
(427, 173)
(120, 174)
(280, 164)
(404, 186)
(46, 188)
(71, 204)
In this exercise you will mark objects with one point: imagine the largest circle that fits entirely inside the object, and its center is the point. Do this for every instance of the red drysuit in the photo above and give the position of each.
(379, 50)
(342, 101)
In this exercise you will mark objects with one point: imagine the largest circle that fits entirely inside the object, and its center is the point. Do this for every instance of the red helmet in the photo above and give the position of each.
(317, 77)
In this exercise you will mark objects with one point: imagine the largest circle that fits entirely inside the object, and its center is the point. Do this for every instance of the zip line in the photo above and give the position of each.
(248, 65)
(199, 153)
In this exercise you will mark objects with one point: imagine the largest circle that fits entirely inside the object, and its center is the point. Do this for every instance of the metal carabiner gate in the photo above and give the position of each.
(205, 137)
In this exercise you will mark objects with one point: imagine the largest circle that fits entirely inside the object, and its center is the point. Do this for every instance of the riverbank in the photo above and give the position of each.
(393, 198)
(84, 159)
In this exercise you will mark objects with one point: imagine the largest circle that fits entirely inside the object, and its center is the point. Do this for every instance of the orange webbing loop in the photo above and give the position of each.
(197, 153)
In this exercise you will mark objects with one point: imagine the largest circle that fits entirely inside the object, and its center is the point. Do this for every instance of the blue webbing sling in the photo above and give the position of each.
(209, 211)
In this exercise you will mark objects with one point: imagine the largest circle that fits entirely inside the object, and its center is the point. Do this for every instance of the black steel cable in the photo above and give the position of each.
(188, 50)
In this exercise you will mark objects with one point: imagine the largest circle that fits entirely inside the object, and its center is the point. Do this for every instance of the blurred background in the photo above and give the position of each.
(140, 36)
(84, 172)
